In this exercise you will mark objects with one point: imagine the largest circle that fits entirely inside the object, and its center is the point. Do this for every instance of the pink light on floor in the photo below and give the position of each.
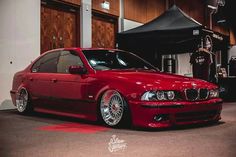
(74, 127)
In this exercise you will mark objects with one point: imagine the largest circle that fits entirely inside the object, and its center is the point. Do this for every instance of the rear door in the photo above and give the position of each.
(41, 78)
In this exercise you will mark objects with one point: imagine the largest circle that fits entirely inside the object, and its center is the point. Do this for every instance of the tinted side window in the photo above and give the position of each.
(47, 64)
(66, 59)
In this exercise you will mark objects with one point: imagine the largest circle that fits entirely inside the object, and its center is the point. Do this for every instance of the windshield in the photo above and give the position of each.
(113, 59)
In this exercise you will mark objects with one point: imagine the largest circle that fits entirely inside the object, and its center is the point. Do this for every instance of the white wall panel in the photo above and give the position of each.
(19, 39)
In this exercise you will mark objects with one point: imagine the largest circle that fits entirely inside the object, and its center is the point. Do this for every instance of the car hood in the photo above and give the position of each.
(154, 80)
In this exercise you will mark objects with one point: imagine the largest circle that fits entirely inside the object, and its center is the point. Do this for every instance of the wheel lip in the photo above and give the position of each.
(114, 92)
(24, 105)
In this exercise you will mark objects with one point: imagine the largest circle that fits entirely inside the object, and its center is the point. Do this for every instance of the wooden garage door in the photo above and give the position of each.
(104, 31)
(58, 28)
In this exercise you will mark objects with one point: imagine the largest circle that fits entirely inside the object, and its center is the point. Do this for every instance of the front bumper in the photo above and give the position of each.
(167, 114)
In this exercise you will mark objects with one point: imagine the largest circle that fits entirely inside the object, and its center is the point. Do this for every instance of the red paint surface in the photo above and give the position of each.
(74, 127)
(78, 95)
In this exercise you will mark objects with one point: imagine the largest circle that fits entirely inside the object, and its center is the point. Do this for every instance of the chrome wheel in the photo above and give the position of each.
(112, 107)
(22, 100)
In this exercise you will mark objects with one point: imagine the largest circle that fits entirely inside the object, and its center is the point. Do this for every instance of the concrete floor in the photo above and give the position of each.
(45, 135)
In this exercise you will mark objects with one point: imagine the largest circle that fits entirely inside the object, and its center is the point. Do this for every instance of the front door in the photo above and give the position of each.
(59, 26)
(104, 31)
(70, 90)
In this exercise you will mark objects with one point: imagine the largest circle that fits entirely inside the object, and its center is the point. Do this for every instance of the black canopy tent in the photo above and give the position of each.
(171, 33)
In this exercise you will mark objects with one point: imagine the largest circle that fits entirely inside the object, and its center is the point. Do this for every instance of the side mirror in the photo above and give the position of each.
(74, 69)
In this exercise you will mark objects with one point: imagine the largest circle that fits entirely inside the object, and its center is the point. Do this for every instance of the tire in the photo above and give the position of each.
(113, 109)
(23, 104)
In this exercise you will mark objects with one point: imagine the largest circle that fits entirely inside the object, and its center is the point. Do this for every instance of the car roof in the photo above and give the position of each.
(98, 49)
(80, 49)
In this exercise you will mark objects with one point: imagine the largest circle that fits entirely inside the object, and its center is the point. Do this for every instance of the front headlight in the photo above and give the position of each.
(149, 96)
(158, 95)
(214, 93)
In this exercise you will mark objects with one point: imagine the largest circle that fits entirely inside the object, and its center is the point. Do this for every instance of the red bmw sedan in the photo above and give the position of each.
(113, 86)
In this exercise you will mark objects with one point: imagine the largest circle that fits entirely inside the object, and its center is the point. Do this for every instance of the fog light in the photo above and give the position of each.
(161, 117)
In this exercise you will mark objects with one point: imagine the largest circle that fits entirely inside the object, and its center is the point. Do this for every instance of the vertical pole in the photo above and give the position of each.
(86, 23)
(121, 18)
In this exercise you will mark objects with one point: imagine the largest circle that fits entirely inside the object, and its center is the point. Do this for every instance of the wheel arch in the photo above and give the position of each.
(107, 88)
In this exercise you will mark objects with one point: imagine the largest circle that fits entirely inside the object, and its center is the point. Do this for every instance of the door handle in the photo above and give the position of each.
(31, 79)
(61, 43)
(54, 80)
(54, 42)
